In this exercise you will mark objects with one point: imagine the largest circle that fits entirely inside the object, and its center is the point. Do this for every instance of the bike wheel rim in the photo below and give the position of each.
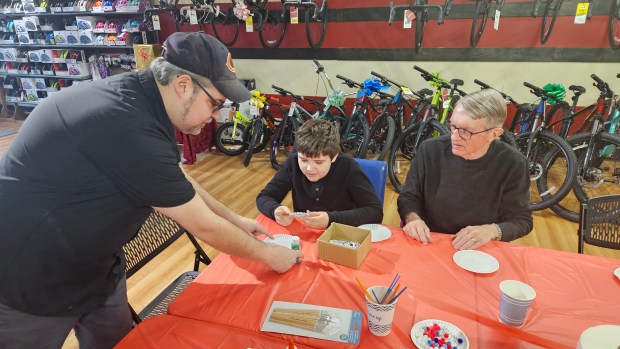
(272, 32)
(315, 29)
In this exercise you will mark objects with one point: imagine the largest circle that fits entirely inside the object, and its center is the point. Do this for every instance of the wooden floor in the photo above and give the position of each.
(236, 186)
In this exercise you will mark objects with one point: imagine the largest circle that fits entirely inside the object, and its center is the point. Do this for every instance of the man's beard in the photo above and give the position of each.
(186, 106)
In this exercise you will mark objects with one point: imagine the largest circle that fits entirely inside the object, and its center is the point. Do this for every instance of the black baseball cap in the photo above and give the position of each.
(206, 56)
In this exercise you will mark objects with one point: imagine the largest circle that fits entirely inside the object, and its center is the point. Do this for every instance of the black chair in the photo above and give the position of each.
(599, 222)
(157, 233)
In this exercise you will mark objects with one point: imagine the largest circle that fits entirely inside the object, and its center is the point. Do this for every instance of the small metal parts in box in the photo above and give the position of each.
(348, 244)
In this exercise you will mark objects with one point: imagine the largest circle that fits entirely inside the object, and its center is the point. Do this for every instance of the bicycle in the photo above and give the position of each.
(614, 24)
(551, 180)
(420, 9)
(550, 14)
(316, 19)
(404, 149)
(598, 154)
(481, 15)
(384, 131)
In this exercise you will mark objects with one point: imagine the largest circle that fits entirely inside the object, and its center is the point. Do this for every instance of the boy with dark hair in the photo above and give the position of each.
(329, 186)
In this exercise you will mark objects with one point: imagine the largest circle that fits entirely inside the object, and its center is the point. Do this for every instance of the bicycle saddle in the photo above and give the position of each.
(425, 92)
(577, 89)
(457, 82)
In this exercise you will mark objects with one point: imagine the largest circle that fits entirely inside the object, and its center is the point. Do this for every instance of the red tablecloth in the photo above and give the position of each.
(574, 291)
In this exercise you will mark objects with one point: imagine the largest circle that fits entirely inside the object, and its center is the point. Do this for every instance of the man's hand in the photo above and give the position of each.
(418, 230)
(281, 259)
(252, 227)
(316, 220)
(283, 216)
(474, 236)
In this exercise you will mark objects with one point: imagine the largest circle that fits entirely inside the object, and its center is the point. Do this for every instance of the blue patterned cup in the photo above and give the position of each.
(515, 299)
(380, 316)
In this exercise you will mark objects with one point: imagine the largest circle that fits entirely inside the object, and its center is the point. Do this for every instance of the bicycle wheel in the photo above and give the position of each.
(552, 168)
(508, 138)
(403, 152)
(601, 175)
(420, 25)
(614, 25)
(283, 142)
(229, 142)
(316, 28)
(354, 140)
(271, 31)
(381, 137)
(262, 141)
(256, 129)
(549, 16)
(479, 21)
(226, 27)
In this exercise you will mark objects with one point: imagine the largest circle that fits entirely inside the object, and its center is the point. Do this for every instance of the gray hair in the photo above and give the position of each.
(485, 104)
(164, 72)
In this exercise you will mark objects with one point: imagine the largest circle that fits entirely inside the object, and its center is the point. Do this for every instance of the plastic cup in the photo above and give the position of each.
(515, 299)
(380, 316)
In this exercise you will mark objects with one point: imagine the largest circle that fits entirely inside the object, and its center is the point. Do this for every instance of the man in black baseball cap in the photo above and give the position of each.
(204, 55)
(84, 172)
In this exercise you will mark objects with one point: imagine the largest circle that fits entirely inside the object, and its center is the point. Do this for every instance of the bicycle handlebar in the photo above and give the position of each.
(383, 78)
(318, 65)
(618, 76)
(414, 8)
(349, 82)
(506, 97)
(284, 92)
(597, 79)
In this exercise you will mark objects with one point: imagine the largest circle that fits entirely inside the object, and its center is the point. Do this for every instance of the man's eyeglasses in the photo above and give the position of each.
(465, 134)
(216, 106)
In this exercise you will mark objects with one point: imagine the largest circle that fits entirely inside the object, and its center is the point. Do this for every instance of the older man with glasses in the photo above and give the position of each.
(468, 184)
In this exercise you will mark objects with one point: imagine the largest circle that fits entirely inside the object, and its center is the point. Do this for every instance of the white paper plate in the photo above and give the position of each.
(476, 261)
(617, 273)
(378, 232)
(280, 239)
(417, 332)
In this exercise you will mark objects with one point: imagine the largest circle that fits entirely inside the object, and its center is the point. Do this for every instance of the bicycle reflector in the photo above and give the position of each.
(556, 91)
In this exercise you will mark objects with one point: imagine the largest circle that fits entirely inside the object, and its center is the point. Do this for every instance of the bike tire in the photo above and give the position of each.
(283, 143)
(356, 136)
(602, 174)
(257, 133)
(508, 138)
(381, 137)
(228, 143)
(402, 152)
(549, 16)
(316, 29)
(552, 167)
(274, 25)
(420, 26)
(262, 142)
(226, 29)
(479, 22)
(614, 25)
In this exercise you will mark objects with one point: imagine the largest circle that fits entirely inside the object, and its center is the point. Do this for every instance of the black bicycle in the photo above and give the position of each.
(481, 15)
(420, 9)
(550, 14)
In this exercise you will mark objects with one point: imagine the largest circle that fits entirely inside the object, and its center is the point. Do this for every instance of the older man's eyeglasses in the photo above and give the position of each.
(216, 106)
(465, 134)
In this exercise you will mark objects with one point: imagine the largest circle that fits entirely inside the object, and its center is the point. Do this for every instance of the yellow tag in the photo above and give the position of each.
(406, 90)
(249, 25)
(581, 13)
(294, 15)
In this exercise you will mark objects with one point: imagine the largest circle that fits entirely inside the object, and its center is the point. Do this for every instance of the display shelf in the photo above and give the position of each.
(68, 77)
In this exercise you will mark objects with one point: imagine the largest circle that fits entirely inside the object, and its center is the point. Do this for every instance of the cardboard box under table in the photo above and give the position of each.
(348, 257)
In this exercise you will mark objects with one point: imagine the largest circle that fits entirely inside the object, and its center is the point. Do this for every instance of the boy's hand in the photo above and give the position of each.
(283, 216)
(317, 220)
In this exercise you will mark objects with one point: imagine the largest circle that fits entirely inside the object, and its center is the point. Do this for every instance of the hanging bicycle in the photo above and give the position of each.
(481, 15)
(419, 9)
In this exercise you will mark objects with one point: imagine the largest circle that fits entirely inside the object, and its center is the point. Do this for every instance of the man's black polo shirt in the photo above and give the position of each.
(76, 184)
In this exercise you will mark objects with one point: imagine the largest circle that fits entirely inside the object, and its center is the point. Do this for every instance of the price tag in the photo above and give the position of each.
(446, 104)
(409, 17)
(254, 110)
(193, 19)
(294, 15)
(291, 111)
(249, 24)
(406, 91)
(498, 14)
(217, 11)
(156, 25)
(581, 13)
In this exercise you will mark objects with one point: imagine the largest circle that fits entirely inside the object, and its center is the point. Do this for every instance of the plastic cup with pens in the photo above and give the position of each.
(381, 304)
